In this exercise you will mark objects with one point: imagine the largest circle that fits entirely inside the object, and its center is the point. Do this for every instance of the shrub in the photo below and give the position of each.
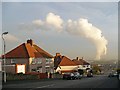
(21, 77)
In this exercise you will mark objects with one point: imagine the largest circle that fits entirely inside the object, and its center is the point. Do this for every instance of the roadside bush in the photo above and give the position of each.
(21, 77)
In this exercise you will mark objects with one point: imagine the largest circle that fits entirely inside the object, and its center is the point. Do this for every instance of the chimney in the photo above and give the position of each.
(58, 54)
(77, 58)
(30, 42)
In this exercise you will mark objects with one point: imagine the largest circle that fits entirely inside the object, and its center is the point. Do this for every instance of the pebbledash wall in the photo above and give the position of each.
(84, 67)
(10, 65)
(41, 65)
(66, 68)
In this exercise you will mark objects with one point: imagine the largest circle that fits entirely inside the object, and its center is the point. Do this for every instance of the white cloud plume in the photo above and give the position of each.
(85, 29)
(80, 27)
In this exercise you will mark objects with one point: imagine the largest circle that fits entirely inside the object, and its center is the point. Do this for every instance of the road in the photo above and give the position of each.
(100, 81)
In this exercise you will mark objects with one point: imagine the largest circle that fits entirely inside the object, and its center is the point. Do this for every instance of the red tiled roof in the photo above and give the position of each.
(66, 62)
(77, 62)
(84, 62)
(80, 62)
(42, 52)
(32, 52)
(25, 50)
(18, 52)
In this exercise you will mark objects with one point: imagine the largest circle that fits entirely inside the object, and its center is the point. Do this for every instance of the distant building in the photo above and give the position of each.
(64, 64)
(82, 64)
(33, 57)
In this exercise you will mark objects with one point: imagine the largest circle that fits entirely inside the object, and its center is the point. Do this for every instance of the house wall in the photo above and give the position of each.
(9, 64)
(47, 65)
(84, 66)
(37, 65)
(66, 68)
(10, 69)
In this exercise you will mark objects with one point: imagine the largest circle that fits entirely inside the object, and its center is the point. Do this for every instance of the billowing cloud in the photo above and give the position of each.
(54, 20)
(85, 29)
(80, 27)
(51, 22)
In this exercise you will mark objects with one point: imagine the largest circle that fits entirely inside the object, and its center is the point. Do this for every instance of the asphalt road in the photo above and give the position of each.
(100, 81)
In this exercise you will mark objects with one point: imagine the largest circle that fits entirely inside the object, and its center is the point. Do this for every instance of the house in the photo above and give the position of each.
(64, 64)
(31, 56)
(82, 64)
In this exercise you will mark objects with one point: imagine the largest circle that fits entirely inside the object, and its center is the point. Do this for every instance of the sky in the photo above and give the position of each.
(74, 29)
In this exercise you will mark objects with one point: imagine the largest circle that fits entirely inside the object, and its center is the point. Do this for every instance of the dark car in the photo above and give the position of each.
(68, 76)
(77, 75)
(112, 75)
(89, 74)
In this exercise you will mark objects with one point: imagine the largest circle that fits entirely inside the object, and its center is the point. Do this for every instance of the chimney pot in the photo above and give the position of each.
(30, 41)
(77, 58)
(58, 54)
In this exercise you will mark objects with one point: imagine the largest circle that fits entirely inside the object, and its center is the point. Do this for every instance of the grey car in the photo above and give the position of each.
(77, 75)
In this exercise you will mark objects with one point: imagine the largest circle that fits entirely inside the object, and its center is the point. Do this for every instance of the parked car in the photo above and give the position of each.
(68, 76)
(89, 74)
(77, 75)
(112, 75)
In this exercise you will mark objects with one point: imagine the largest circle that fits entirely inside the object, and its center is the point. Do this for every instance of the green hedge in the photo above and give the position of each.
(21, 77)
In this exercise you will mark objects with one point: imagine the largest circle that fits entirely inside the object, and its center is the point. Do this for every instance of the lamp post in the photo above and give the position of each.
(4, 61)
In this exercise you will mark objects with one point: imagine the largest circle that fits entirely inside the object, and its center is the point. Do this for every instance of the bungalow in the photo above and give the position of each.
(64, 64)
(82, 64)
(32, 57)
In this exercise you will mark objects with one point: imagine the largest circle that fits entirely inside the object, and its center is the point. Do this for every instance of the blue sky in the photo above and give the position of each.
(103, 15)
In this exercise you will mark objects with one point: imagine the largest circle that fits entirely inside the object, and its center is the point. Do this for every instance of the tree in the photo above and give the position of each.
(96, 69)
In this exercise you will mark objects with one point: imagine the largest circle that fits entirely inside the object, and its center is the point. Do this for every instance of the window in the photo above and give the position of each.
(39, 69)
(33, 61)
(13, 61)
(33, 70)
(47, 69)
(83, 65)
(47, 61)
(37, 61)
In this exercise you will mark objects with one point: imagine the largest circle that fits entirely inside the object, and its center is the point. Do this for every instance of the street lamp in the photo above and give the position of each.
(4, 55)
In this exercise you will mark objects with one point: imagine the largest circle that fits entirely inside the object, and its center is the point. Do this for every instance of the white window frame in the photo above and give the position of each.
(37, 61)
(13, 61)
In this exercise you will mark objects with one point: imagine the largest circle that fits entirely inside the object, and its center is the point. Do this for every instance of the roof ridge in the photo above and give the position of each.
(27, 49)
(12, 53)
(43, 51)
(71, 62)
(14, 48)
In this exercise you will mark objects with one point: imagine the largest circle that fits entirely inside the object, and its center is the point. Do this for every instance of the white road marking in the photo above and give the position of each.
(46, 86)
